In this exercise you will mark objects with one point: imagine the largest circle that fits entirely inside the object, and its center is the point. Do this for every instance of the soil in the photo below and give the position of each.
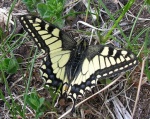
(102, 105)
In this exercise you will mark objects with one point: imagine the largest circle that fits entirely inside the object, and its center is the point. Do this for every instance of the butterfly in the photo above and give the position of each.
(74, 67)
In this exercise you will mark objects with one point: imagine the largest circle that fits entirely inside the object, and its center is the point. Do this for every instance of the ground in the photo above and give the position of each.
(116, 102)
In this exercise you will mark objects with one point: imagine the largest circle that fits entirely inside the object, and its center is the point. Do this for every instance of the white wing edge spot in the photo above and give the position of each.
(49, 81)
(98, 76)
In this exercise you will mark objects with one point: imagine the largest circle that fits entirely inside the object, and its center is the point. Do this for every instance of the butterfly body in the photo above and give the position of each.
(71, 67)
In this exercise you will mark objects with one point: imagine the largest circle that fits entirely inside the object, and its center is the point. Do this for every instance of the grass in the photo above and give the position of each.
(28, 101)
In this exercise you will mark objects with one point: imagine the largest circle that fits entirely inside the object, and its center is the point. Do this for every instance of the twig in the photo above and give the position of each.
(139, 87)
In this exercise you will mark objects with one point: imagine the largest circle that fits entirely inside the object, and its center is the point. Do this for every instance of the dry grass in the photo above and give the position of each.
(126, 97)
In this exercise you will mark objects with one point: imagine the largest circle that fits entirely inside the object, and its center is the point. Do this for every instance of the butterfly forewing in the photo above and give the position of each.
(55, 43)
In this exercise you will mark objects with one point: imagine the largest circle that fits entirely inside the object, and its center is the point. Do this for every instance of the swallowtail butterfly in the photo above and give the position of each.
(71, 67)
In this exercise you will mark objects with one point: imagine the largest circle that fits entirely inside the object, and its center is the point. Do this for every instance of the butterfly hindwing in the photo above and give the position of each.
(100, 62)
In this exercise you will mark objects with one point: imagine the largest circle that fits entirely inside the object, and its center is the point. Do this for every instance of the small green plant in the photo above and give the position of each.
(31, 4)
(51, 10)
(36, 103)
(9, 65)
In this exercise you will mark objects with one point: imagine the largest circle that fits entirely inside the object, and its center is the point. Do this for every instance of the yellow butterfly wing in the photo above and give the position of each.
(53, 41)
